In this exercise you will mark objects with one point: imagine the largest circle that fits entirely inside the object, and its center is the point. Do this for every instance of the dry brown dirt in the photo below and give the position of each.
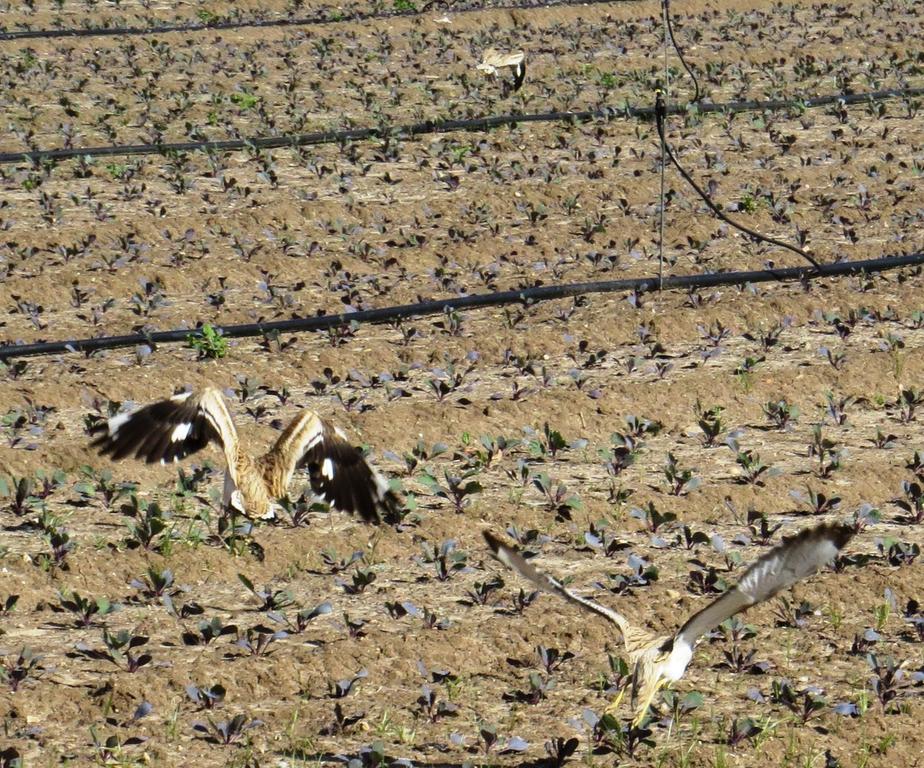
(154, 243)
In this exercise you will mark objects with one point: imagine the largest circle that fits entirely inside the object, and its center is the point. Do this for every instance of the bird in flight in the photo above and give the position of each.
(492, 61)
(660, 660)
(170, 430)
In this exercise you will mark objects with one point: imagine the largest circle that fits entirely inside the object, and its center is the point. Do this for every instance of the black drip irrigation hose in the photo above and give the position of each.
(306, 21)
(449, 126)
(441, 306)
(660, 115)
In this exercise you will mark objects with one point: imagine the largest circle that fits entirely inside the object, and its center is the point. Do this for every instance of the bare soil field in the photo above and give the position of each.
(644, 447)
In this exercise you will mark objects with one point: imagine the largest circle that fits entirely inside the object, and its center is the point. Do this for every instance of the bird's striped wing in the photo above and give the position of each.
(510, 557)
(796, 558)
(168, 430)
(338, 471)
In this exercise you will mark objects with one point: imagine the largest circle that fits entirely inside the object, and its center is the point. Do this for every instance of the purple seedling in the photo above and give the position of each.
(753, 469)
(341, 722)
(362, 578)
(481, 593)
(335, 564)
(863, 643)
(815, 502)
(599, 537)
(85, 609)
(270, 599)
(303, 617)
(342, 688)
(641, 574)
(155, 583)
(781, 414)
(557, 497)
(914, 616)
(208, 630)
(256, 641)
(742, 729)
(19, 493)
(226, 731)
(446, 559)
(429, 705)
(120, 650)
(883, 440)
(680, 481)
(789, 614)
(206, 697)
(7, 604)
(806, 703)
(836, 408)
(61, 545)
(458, 488)
(651, 517)
(14, 671)
(887, 681)
(148, 530)
(710, 422)
(913, 501)
(898, 553)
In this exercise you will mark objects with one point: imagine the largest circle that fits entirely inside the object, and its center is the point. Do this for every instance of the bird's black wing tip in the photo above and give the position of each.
(493, 542)
(841, 533)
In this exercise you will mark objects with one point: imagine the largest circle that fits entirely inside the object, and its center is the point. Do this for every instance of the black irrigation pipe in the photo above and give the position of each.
(440, 306)
(305, 21)
(447, 126)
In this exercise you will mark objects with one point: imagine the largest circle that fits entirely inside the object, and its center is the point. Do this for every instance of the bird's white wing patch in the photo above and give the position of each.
(117, 421)
(181, 432)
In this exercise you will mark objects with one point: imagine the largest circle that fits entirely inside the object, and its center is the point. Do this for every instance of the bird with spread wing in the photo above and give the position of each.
(172, 429)
(493, 61)
(660, 660)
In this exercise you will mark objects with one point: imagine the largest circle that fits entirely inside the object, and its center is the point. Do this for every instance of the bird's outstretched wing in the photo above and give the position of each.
(338, 471)
(794, 559)
(168, 430)
(510, 557)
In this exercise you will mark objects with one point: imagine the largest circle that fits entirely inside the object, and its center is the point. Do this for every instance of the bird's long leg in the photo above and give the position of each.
(613, 706)
(649, 690)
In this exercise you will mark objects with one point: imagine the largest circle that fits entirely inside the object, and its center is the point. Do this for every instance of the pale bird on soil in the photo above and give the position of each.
(659, 661)
(172, 429)
(492, 61)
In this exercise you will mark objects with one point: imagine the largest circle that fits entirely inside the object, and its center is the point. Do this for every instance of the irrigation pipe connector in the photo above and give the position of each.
(441, 306)
(448, 126)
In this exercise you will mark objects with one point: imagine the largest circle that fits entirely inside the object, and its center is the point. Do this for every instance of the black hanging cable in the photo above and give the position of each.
(697, 96)
(660, 116)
